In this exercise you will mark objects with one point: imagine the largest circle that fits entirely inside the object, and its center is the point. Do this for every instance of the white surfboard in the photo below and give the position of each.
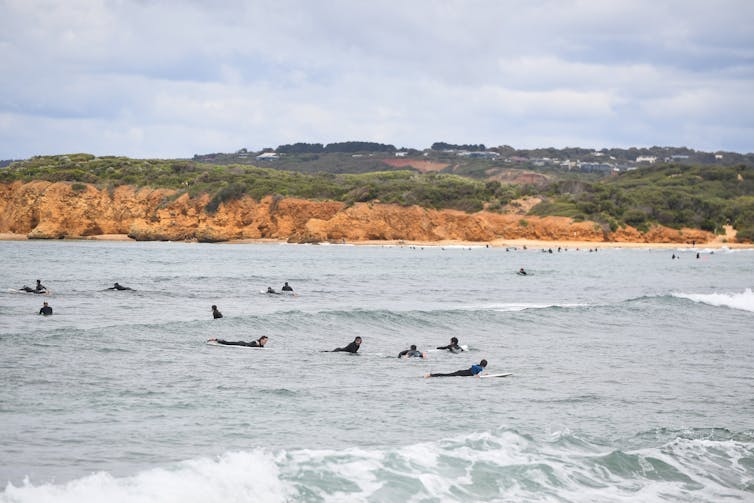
(495, 375)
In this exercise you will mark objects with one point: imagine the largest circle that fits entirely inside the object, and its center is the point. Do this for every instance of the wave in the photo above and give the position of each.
(501, 465)
(743, 301)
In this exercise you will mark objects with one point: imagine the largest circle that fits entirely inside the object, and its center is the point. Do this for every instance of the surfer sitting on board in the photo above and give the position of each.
(215, 313)
(411, 353)
(453, 347)
(259, 343)
(351, 348)
(118, 286)
(474, 370)
(287, 287)
(46, 309)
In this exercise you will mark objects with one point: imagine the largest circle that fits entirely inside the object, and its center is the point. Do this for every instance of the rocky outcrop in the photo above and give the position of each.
(45, 210)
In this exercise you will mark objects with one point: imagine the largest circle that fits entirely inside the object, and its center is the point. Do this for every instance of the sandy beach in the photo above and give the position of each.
(498, 243)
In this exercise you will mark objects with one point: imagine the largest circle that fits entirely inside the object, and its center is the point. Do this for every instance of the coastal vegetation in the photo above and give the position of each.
(697, 196)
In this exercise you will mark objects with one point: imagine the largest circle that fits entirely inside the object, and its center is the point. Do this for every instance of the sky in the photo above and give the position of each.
(170, 79)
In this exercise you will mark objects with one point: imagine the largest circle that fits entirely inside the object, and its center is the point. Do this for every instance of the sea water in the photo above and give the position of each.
(633, 374)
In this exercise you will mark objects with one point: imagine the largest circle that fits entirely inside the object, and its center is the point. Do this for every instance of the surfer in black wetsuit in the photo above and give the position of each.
(259, 343)
(215, 313)
(270, 290)
(40, 288)
(474, 370)
(521, 272)
(411, 353)
(118, 286)
(46, 310)
(351, 348)
(287, 287)
(453, 347)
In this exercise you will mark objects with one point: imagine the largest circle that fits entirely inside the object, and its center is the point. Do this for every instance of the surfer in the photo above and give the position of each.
(522, 272)
(259, 343)
(453, 347)
(351, 348)
(118, 286)
(474, 370)
(411, 353)
(215, 313)
(46, 310)
(287, 287)
(270, 290)
(40, 288)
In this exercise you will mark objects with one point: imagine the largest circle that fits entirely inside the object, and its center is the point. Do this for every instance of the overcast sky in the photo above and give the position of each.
(164, 78)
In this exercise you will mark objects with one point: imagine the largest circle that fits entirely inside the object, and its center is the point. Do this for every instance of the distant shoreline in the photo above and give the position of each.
(497, 243)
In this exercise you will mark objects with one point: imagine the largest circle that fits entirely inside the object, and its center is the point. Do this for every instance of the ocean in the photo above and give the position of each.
(633, 374)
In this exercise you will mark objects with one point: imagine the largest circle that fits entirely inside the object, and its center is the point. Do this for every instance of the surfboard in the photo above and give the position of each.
(495, 375)
(215, 343)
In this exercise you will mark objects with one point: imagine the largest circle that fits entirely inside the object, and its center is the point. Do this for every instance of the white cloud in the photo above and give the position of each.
(172, 78)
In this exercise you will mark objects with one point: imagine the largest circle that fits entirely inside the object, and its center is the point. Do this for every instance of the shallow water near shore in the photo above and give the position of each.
(632, 374)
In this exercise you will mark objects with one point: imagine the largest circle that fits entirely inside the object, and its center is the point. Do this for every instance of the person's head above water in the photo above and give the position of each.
(214, 307)
(483, 363)
(454, 340)
(357, 340)
(413, 347)
(262, 340)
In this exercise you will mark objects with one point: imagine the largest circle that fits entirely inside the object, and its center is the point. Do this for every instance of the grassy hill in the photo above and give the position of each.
(699, 196)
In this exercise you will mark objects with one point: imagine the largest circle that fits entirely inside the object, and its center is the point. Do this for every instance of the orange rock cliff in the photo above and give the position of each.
(45, 210)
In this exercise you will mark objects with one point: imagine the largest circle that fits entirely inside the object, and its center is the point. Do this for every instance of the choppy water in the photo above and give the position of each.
(633, 375)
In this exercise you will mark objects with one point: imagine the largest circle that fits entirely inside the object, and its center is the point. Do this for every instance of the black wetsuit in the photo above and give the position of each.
(119, 287)
(410, 353)
(46, 310)
(252, 344)
(453, 348)
(216, 314)
(287, 288)
(351, 348)
(471, 371)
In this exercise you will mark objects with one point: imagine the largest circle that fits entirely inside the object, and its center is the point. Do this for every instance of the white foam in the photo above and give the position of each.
(239, 476)
(743, 301)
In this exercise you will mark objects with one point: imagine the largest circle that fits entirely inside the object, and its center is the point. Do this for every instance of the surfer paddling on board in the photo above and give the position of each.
(522, 272)
(474, 371)
(215, 313)
(259, 343)
(118, 286)
(411, 353)
(40, 288)
(271, 291)
(351, 348)
(453, 347)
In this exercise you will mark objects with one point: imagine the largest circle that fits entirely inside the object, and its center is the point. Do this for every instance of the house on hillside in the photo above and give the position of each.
(268, 156)
(651, 159)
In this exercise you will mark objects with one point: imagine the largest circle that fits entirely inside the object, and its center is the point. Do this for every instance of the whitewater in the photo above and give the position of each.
(632, 374)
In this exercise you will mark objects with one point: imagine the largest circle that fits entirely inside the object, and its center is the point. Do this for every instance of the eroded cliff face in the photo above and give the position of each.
(45, 210)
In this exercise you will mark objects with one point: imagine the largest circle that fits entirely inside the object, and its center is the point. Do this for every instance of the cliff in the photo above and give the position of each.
(45, 210)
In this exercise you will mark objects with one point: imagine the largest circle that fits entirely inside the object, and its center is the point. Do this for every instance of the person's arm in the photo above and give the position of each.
(443, 347)
(403, 353)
